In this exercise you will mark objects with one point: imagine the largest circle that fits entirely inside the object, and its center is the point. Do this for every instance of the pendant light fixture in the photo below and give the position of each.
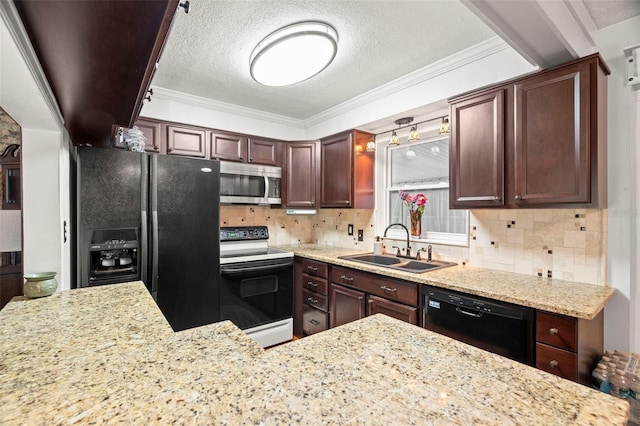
(395, 140)
(444, 127)
(413, 134)
(293, 53)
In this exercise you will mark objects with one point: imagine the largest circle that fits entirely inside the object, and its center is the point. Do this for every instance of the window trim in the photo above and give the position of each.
(383, 167)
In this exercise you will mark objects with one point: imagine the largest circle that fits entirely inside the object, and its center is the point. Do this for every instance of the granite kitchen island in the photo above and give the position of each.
(106, 354)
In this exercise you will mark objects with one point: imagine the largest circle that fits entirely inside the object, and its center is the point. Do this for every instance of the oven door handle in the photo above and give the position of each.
(230, 270)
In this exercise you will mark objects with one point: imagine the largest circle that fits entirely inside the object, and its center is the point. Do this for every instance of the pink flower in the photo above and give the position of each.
(415, 202)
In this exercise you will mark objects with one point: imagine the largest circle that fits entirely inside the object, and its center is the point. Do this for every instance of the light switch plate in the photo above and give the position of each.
(350, 229)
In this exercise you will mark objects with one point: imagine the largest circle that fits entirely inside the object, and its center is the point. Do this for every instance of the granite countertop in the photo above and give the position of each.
(107, 355)
(574, 299)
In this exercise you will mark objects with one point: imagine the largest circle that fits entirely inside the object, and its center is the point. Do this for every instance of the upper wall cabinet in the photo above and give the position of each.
(347, 171)
(99, 58)
(228, 146)
(245, 149)
(301, 171)
(264, 151)
(539, 141)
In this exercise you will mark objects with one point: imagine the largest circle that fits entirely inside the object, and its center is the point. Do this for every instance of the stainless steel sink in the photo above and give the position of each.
(400, 263)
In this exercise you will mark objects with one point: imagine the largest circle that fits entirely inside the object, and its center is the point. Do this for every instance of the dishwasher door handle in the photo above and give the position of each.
(471, 314)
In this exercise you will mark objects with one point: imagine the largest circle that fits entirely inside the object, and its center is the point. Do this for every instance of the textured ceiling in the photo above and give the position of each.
(608, 12)
(207, 53)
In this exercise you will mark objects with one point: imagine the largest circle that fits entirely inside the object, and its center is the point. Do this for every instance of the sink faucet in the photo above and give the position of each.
(428, 250)
(408, 254)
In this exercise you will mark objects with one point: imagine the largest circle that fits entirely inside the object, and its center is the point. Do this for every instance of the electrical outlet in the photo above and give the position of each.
(350, 229)
(360, 235)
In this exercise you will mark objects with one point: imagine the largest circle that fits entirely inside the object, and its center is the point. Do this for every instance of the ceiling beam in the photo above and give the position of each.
(545, 33)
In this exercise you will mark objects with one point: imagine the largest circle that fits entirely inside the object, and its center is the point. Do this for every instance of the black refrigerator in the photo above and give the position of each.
(153, 218)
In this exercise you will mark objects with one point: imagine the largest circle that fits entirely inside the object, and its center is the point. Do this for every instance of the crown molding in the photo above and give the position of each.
(467, 56)
(9, 14)
(224, 107)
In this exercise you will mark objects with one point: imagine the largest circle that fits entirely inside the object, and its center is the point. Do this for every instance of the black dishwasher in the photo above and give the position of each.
(498, 327)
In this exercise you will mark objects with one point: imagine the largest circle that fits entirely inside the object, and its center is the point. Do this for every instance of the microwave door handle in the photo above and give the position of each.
(266, 187)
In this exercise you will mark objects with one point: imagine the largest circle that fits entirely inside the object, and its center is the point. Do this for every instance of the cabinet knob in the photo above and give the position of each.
(518, 197)
(553, 363)
(553, 331)
(497, 198)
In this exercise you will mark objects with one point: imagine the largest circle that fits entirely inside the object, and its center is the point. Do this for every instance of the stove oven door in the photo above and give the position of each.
(256, 293)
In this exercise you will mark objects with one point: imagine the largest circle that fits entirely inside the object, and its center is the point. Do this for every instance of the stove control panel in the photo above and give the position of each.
(240, 233)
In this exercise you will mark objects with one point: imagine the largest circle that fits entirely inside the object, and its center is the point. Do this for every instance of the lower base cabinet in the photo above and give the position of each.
(346, 305)
(569, 347)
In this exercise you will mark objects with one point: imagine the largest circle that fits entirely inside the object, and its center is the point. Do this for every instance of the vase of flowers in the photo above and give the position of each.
(415, 203)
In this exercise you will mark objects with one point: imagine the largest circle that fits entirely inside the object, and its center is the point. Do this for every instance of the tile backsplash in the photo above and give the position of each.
(567, 244)
(328, 227)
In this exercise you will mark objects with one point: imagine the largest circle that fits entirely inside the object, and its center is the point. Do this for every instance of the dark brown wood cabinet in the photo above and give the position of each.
(347, 171)
(347, 305)
(553, 119)
(396, 298)
(532, 142)
(152, 130)
(183, 140)
(311, 304)
(264, 151)
(99, 58)
(302, 174)
(228, 146)
(476, 151)
(11, 282)
(569, 347)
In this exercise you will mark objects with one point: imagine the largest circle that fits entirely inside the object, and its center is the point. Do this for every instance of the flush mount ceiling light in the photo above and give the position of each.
(293, 53)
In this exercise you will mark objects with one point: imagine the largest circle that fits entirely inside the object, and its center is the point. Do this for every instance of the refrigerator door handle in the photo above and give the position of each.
(144, 247)
(154, 260)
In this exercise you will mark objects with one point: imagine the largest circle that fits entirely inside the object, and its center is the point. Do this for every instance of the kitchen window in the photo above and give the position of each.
(423, 167)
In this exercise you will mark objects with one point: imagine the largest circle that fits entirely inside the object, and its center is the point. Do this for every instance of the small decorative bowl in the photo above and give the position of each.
(40, 284)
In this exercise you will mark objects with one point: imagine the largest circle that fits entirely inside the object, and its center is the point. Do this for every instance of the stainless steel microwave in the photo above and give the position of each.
(242, 183)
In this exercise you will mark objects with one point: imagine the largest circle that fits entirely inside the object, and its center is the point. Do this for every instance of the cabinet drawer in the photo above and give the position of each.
(556, 361)
(318, 285)
(318, 269)
(316, 300)
(395, 290)
(556, 330)
(378, 305)
(314, 320)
